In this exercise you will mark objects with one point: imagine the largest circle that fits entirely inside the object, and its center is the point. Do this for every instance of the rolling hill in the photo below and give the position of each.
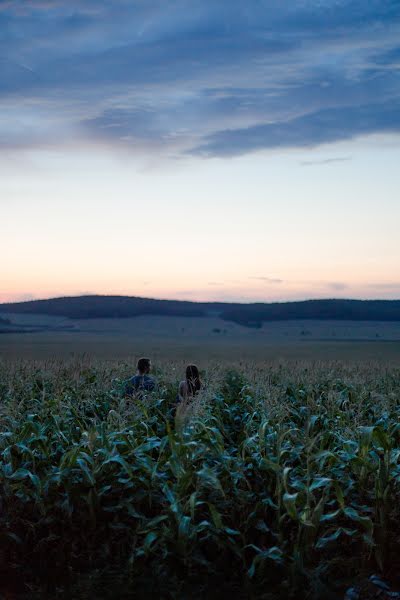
(250, 315)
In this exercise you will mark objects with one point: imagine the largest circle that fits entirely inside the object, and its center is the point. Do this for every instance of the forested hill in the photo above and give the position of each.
(96, 307)
(344, 310)
(251, 315)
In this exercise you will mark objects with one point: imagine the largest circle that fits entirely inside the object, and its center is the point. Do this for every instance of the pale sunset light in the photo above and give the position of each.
(219, 153)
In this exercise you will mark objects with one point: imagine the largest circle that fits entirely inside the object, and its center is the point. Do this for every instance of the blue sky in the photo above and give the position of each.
(221, 150)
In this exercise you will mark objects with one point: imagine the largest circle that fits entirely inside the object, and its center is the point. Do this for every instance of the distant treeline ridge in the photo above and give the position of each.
(250, 315)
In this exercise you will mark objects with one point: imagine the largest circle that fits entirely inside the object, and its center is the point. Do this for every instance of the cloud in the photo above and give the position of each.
(385, 286)
(337, 285)
(200, 78)
(268, 279)
(310, 130)
(325, 161)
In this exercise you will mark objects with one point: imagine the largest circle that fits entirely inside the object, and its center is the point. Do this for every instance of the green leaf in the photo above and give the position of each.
(209, 478)
(87, 474)
(285, 476)
(151, 523)
(289, 501)
(230, 531)
(273, 554)
(331, 516)
(149, 540)
(21, 474)
(382, 438)
(216, 517)
(328, 539)
(118, 459)
(184, 527)
(339, 494)
(364, 521)
(320, 482)
(12, 536)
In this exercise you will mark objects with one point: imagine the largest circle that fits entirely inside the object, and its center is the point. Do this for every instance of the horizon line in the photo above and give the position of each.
(330, 298)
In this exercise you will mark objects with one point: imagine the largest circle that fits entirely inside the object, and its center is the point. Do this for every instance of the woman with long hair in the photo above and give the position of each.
(191, 385)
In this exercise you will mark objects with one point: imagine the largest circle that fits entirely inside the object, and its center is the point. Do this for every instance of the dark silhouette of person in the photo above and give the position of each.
(141, 382)
(191, 385)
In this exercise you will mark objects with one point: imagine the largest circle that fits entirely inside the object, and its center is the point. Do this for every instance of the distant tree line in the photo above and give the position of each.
(344, 310)
(250, 315)
(97, 307)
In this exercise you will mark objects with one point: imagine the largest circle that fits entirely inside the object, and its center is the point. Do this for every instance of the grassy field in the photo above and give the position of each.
(199, 339)
(281, 480)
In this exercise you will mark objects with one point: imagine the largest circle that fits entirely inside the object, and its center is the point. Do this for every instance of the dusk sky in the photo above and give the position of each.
(205, 150)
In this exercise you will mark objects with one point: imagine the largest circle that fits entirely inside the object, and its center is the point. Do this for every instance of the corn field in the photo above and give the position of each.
(277, 481)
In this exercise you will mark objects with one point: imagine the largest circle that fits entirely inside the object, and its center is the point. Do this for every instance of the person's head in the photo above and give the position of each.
(144, 366)
(193, 379)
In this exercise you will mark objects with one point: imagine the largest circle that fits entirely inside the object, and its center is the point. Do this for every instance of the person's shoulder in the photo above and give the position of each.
(129, 386)
(149, 381)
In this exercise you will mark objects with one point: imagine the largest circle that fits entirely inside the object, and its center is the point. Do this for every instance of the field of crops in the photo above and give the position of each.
(278, 481)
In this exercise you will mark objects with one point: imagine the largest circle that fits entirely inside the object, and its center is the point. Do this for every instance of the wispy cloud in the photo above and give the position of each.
(395, 285)
(199, 78)
(325, 161)
(268, 279)
(337, 285)
(309, 130)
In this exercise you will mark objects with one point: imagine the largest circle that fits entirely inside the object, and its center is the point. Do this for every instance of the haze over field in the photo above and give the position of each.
(110, 327)
(232, 151)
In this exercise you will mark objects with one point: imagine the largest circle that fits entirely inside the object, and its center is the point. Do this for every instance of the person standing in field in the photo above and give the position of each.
(191, 385)
(142, 381)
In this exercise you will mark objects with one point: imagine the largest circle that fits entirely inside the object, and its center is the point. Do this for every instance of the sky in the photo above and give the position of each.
(200, 150)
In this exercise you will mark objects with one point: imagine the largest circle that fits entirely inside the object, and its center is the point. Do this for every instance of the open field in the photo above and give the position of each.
(281, 480)
(275, 471)
(202, 338)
